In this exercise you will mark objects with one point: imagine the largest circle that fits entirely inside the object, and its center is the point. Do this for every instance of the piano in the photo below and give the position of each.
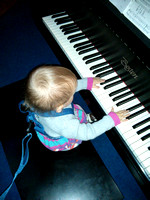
(96, 42)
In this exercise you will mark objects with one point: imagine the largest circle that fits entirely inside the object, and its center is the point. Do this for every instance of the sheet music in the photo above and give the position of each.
(137, 11)
(120, 4)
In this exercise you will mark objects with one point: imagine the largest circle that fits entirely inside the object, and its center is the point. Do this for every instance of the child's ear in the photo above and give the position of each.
(59, 109)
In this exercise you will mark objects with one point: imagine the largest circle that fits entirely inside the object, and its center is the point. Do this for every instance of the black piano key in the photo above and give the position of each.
(134, 107)
(73, 30)
(109, 80)
(110, 62)
(101, 75)
(145, 138)
(113, 84)
(141, 93)
(87, 50)
(136, 114)
(118, 91)
(91, 56)
(90, 49)
(122, 96)
(132, 86)
(139, 90)
(98, 44)
(67, 26)
(101, 69)
(84, 47)
(98, 65)
(141, 123)
(143, 100)
(62, 20)
(114, 61)
(126, 101)
(143, 130)
(146, 102)
(77, 39)
(103, 52)
(119, 70)
(93, 59)
(81, 44)
(147, 107)
(107, 55)
(58, 14)
(124, 75)
(75, 36)
(98, 58)
(91, 44)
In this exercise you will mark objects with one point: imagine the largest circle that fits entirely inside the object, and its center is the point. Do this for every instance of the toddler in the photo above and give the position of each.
(49, 95)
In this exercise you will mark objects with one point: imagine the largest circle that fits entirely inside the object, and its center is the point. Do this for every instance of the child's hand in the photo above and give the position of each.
(96, 82)
(122, 114)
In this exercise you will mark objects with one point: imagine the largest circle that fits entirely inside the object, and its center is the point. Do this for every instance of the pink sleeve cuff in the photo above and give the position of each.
(89, 83)
(115, 117)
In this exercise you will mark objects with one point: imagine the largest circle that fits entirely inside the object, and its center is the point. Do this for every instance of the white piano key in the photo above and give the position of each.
(139, 118)
(142, 149)
(108, 91)
(142, 126)
(109, 76)
(147, 169)
(146, 165)
(144, 156)
(109, 103)
(96, 62)
(101, 67)
(137, 143)
(134, 136)
(131, 122)
(104, 95)
(146, 162)
(64, 14)
(127, 132)
(145, 133)
(127, 105)
(63, 23)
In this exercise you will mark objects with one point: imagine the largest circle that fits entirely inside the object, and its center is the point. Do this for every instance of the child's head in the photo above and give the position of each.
(50, 88)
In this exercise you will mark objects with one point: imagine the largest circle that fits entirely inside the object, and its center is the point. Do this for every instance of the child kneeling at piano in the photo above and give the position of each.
(63, 125)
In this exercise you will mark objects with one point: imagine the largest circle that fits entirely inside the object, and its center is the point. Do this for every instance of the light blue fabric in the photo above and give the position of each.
(23, 162)
(69, 126)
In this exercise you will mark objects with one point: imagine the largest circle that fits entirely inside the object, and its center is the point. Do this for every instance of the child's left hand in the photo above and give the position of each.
(97, 81)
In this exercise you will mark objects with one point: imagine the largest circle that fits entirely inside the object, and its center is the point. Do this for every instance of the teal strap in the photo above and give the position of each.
(23, 162)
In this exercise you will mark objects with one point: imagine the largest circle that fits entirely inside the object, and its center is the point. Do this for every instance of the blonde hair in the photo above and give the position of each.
(49, 87)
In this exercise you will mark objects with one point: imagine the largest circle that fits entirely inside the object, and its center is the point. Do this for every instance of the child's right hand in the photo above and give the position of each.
(122, 114)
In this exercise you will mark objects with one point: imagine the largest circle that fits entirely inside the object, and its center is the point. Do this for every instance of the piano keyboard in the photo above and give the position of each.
(89, 61)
